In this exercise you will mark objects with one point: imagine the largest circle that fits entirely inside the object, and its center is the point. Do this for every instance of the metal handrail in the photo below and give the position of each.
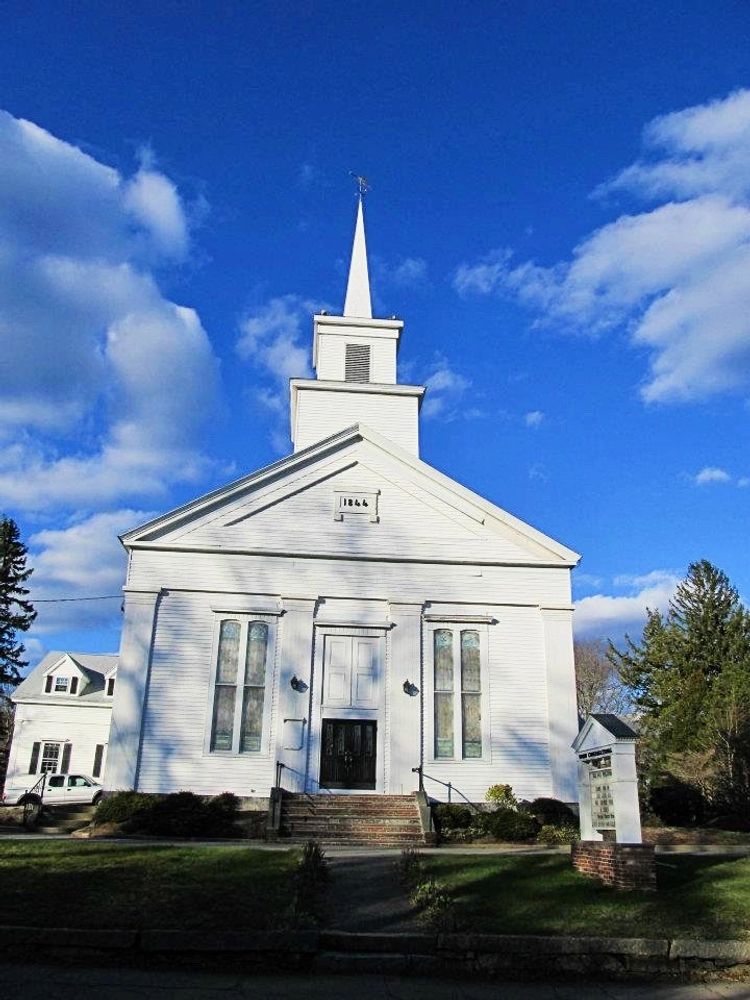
(280, 766)
(34, 807)
(446, 784)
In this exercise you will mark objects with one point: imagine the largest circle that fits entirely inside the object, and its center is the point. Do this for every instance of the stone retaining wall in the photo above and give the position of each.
(623, 866)
(487, 955)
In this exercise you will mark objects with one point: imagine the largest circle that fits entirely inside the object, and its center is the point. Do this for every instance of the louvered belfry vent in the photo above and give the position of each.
(357, 363)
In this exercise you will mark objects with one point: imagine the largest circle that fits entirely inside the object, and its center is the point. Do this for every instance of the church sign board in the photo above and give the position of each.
(607, 780)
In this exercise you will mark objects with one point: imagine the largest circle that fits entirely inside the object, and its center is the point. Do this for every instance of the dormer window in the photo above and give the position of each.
(58, 684)
(357, 363)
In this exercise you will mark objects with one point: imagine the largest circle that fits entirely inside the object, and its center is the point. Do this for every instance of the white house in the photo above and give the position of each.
(62, 718)
(349, 611)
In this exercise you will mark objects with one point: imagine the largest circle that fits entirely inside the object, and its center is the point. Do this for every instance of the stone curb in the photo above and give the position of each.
(343, 950)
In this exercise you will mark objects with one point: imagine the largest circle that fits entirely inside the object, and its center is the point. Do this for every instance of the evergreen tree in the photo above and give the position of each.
(689, 676)
(16, 612)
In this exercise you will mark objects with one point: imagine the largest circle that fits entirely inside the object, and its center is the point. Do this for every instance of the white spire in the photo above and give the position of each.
(357, 302)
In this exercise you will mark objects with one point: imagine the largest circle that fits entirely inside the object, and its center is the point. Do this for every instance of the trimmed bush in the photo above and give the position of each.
(553, 835)
(509, 825)
(677, 803)
(122, 807)
(181, 814)
(550, 812)
(449, 816)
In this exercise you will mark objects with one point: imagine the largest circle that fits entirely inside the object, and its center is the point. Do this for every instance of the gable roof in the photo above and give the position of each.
(602, 729)
(94, 666)
(282, 477)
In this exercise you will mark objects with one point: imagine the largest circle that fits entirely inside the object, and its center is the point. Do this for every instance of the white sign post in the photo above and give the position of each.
(607, 781)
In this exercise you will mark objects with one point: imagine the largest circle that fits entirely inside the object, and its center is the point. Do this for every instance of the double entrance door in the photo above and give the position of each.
(348, 753)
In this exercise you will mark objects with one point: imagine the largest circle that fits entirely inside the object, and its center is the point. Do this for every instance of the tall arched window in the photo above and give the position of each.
(239, 687)
(457, 721)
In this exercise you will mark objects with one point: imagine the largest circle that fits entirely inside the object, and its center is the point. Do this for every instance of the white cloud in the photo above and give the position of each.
(675, 276)
(106, 382)
(409, 272)
(446, 391)
(534, 418)
(602, 614)
(84, 559)
(711, 474)
(275, 338)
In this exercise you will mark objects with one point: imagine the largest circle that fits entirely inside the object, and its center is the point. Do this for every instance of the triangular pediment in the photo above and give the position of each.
(354, 494)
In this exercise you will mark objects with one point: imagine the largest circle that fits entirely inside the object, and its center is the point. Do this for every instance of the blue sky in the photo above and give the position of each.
(560, 211)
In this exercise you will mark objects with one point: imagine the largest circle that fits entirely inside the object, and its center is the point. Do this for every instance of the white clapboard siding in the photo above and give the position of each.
(83, 726)
(320, 414)
(517, 751)
(153, 569)
(176, 717)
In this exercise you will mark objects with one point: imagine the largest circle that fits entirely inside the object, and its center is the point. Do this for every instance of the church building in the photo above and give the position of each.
(349, 612)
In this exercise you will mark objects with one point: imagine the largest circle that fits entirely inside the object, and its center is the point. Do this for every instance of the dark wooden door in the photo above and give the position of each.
(348, 753)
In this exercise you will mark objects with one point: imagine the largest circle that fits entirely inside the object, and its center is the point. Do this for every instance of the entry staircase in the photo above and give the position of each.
(64, 819)
(352, 820)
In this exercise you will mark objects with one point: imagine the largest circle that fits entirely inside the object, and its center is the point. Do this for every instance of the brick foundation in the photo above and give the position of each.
(623, 866)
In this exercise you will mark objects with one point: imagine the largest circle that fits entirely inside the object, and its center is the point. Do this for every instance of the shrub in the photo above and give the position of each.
(509, 825)
(449, 816)
(501, 797)
(122, 807)
(181, 814)
(550, 812)
(551, 834)
(676, 803)
(410, 866)
(435, 904)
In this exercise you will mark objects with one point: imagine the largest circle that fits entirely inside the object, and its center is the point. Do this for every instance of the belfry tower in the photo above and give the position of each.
(354, 357)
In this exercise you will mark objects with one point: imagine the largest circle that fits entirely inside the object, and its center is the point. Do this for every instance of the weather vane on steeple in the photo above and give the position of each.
(363, 185)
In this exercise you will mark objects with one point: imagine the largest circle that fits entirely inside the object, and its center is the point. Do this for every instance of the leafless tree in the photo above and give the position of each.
(598, 684)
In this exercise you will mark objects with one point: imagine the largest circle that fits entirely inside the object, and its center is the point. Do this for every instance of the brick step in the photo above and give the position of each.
(337, 821)
(356, 842)
(362, 834)
(354, 798)
(356, 829)
(336, 817)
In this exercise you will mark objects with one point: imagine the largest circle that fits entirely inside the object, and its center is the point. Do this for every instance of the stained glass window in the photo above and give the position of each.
(222, 732)
(443, 651)
(471, 697)
(255, 683)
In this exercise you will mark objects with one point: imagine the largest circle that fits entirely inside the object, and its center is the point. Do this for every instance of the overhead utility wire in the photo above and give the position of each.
(60, 600)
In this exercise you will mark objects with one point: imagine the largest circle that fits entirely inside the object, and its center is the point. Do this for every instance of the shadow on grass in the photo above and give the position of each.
(144, 886)
(697, 897)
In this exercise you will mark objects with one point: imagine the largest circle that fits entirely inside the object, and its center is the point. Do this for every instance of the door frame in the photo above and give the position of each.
(318, 710)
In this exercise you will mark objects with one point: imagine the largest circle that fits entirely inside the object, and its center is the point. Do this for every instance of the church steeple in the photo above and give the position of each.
(354, 357)
(357, 302)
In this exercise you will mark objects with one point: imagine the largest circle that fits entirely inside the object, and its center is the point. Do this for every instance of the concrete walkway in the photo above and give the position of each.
(47, 982)
(365, 895)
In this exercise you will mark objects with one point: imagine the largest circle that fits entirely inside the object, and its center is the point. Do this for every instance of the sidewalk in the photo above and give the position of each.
(40, 982)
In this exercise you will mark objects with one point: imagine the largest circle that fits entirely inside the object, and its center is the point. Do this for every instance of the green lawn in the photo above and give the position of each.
(503, 894)
(74, 884)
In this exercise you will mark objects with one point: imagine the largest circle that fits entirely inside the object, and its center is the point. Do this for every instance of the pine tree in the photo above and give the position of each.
(16, 612)
(689, 676)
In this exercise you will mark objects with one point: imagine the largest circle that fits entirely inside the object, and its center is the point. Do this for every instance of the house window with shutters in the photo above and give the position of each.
(50, 756)
(242, 671)
(457, 693)
(357, 363)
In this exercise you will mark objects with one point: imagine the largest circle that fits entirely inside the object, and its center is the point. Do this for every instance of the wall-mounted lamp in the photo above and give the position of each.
(297, 685)
(410, 689)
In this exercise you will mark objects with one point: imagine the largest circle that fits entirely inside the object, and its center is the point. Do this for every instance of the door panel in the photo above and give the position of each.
(351, 671)
(348, 753)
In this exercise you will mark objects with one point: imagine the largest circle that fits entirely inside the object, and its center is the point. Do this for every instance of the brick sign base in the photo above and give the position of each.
(623, 866)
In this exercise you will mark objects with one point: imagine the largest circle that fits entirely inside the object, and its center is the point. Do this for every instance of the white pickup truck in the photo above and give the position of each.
(59, 789)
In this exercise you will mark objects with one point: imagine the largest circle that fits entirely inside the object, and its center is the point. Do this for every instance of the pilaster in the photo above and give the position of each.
(405, 723)
(136, 644)
(557, 624)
